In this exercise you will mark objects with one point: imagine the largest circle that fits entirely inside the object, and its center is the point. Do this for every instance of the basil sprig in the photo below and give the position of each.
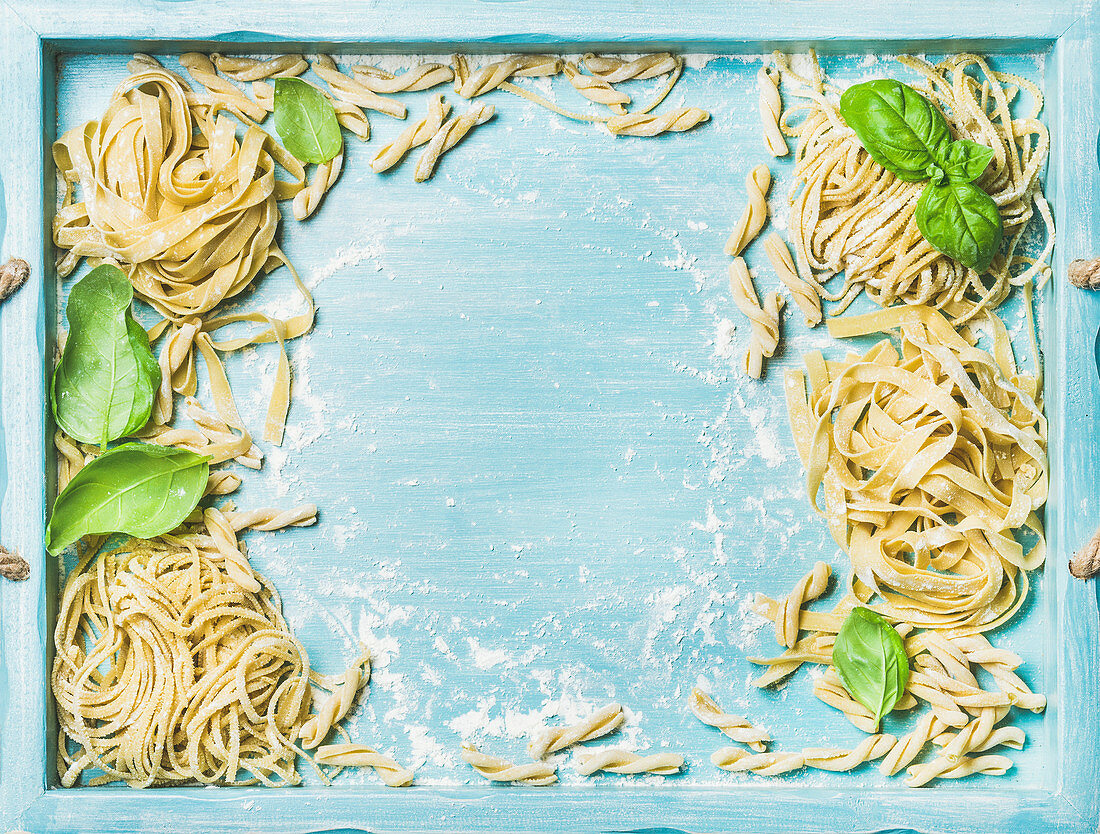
(136, 488)
(905, 134)
(870, 658)
(306, 121)
(104, 384)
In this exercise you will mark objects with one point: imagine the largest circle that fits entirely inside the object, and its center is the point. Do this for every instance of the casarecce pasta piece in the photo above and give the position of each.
(596, 89)
(922, 774)
(449, 135)
(803, 292)
(359, 755)
(324, 177)
(337, 704)
(535, 774)
(420, 77)
(225, 541)
(771, 109)
(354, 91)
(600, 723)
(615, 760)
(910, 745)
(809, 587)
(254, 69)
(652, 124)
(739, 760)
(273, 519)
(755, 213)
(613, 70)
(413, 136)
(201, 68)
(491, 76)
(764, 319)
(739, 729)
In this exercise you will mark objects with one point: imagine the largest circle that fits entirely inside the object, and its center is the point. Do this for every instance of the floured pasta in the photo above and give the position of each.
(420, 77)
(755, 213)
(253, 69)
(614, 70)
(337, 704)
(615, 760)
(450, 134)
(647, 124)
(739, 729)
(820, 758)
(536, 774)
(358, 755)
(605, 720)
(803, 292)
(596, 89)
(353, 91)
(489, 77)
(168, 670)
(771, 109)
(324, 177)
(413, 136)
(850, 215)
(764, 319)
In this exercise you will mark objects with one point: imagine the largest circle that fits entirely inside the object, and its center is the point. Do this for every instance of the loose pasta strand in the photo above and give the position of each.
(450, 134)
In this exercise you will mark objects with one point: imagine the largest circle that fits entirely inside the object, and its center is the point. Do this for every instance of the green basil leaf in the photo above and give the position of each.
(870, 658)
(306, 121)
(901, 129)
(965, 161)
(962, 221)
(137, 488)
(105, 383)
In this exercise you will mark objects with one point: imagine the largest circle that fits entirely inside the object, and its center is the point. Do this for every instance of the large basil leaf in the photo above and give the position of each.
(306, 121)
(965, 161)
(901, 129)
(962, 221)
(104, 385)
(870, 658)
(137, 488)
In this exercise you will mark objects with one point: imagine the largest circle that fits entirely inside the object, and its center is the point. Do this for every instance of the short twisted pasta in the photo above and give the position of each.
(600, 723)
(354, 91)
(177, 369)
(871, 748)
(803, 292)
(829, 689)
(449, 135)
(739, 729)
(413, 136)
(650, 124)
(535, 774)
(222, 483)
(809, 587)
(939, 768)
(771, 109)
(201, 68)
(755, 213)
(324, 177)
(739, 760)
(253, 69)
(492, 75)
(225, 541)
(615, 760)
(269, 518)
(337, 704)
(596, 89)
(614, 70)
(420, 77)
(1000, 664)
(359, 755)
(912, 744)
(764, 320)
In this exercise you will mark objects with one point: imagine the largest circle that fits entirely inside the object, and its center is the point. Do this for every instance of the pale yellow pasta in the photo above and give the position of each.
(353, 91)
(652, 124)
(850, 215)
(413, 136)
(755, 213)
(492, 75)
(739, 760)
(1000, 663)
(359, 755)
(420, 77)
(829, 689)
(222, 483)
(764, 319)
(337, 704)
(788, 617)
(159, 653)
(535, 774)
(603, 721)
(871, 748)
(739, 729)
(616, 760)
(255, 69)
(449, 135)
(225, 541)
(596, 89)
(324, 177)
(804, 293)
(273, 519)
(771, 109)
(201, 68)
(613, 70)
(912, 744)
(940, 768)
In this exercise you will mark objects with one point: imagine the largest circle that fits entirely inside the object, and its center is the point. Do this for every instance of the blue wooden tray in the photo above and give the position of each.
(542, 484)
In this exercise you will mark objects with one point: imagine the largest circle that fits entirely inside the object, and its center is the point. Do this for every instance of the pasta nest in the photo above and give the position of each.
(168, 671)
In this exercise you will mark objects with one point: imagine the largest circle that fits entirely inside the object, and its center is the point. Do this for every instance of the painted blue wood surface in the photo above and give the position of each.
(514, 420)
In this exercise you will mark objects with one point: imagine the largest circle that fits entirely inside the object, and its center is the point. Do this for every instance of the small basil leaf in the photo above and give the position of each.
(306, 121)
(137, 488)
(901, 129)
(962, 221)
(106, 380)
(870, 658)
(965, 161)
